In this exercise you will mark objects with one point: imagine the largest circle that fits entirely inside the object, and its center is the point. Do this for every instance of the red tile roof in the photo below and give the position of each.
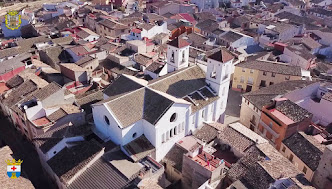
(222, 55)
(135, 30)
(179, 43)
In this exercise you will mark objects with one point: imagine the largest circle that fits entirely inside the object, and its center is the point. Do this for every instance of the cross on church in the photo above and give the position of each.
(13, 168)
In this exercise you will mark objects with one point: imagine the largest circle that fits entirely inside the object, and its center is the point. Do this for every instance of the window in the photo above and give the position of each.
(203, 113)
(287, 77)
(107, 120)
(264, 73)
(243, 70)
(175, 130)
(223, 91)
(291, 158)
(173, 117)
(167, 135)
(172, 58)
(271, 83)
(183, 56)
(304, 170)
(273, 74)
(214, 72)
(134, 135)
(283, 149)
(194, 118)
(54, 152)
(263, 83)
(242, 79)
(163, 138)
(212, 107)
(182, 126)
(271, 124)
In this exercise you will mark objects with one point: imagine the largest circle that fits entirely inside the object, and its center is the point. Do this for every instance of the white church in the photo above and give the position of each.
(136, 114)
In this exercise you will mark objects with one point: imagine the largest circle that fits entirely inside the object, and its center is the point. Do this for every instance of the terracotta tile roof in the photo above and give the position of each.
(139, 148)
(235, 139)
(279, 68)
(18, 93)
(263, 96)
(222, 55)
(206, 133)
(65, 166)
(15, 81)
(91, 178)
(47, 91)
(176, 83)
(307, 149)
(55, 116)
(179, 43)
(54, 135)
(328, 96)
(293, 111)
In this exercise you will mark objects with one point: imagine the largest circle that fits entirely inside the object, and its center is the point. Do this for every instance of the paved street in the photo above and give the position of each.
(233, 106)
(23, 149)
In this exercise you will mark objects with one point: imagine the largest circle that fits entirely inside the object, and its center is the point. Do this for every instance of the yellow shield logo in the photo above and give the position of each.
(13, 20)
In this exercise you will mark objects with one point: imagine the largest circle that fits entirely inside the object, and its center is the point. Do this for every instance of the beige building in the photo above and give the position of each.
(253, 102)
(253, 75)
(111, 28)
(323, 175)
(304, 151)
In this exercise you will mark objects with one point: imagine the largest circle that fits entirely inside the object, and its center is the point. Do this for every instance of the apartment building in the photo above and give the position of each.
(253, 75)
(281, 119)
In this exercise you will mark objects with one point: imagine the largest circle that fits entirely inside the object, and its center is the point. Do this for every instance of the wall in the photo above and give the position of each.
(299, 164)
(324, 170)
(178, 61)
(247, 112)
(164, 126)
(127, 133)
(8, 75)
(244, 41)
(294, 59)
(193, 174)
(104, 131)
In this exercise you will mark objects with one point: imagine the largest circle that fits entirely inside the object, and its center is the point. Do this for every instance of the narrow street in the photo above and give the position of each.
(23, 149)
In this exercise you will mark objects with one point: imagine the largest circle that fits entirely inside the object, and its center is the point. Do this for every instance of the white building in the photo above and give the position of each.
(146, 30)
(166, 109)
(205, 4)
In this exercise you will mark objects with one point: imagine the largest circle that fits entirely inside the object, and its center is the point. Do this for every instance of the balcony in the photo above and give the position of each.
(269, 129)
(250, 82)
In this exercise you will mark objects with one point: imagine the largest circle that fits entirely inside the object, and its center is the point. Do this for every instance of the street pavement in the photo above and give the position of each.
(24, 150)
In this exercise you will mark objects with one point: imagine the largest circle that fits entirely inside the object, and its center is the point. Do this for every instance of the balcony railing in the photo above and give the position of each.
(250, 82)
(276, 135)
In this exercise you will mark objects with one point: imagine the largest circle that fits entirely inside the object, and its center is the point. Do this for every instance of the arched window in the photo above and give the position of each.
(173, 117)
(107, 120)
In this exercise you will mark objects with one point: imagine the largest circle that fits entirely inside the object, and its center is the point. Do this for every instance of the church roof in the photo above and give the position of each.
(141, 100)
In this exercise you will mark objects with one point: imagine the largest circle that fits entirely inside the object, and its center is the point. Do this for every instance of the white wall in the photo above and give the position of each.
(107, 132)
(178, 54)
(154, 31)
(163, 126)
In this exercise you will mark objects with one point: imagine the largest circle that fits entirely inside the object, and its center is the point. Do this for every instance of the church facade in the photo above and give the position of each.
(168, 108)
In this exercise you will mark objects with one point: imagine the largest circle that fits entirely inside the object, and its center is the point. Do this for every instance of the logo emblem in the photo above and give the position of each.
(13, 20)
(14, 168)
